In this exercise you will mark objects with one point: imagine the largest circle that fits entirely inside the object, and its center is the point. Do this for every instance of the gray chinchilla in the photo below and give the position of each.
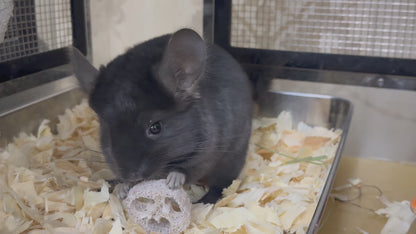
(174, 107)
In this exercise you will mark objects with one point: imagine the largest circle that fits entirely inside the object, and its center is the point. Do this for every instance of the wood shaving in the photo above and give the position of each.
(55, 182)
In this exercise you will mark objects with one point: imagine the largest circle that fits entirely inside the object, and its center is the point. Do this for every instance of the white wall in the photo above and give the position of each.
(118, 25)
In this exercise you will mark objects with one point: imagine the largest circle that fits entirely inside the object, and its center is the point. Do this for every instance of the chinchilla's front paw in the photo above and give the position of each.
(175, 180)
(121, 190)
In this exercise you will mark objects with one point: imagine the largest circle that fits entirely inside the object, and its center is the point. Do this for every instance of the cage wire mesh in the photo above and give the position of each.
(37, 26)
(379, 28)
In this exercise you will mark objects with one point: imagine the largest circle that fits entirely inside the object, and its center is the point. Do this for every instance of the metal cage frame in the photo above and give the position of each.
(394, 73)
(56, 59)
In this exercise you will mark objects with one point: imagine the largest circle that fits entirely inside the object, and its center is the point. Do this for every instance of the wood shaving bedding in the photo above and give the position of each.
(55, 183)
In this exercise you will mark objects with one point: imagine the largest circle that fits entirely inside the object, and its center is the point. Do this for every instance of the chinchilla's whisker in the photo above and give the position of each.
(95, 151)
(242, 135)
(96, 161)
(213, 150)
(93, 158)
(88, 149)
(82, 159)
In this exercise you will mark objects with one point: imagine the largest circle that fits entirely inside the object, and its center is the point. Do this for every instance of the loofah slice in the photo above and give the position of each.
(156, 208)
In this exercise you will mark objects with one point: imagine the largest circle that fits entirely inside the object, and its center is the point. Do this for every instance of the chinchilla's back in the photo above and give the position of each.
(226, 101)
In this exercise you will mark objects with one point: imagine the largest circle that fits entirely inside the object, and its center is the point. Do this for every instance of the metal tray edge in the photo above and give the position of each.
(319, 211)
(37, 94)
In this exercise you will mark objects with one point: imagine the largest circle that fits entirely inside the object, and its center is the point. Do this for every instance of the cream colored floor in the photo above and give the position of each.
(396, 180)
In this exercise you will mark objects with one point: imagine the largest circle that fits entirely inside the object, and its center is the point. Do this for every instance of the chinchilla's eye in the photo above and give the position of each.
(155, 128)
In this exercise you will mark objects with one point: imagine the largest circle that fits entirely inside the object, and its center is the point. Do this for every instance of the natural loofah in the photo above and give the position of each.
(156, 208)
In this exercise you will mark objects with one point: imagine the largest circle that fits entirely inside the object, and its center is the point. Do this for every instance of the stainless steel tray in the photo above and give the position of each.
(25, 110)
(314, 110)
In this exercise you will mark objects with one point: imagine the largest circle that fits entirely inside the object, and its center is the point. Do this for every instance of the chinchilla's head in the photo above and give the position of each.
(147, 104)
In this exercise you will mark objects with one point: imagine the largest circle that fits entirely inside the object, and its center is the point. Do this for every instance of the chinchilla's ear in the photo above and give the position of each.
(84, 71)
(183, 64)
